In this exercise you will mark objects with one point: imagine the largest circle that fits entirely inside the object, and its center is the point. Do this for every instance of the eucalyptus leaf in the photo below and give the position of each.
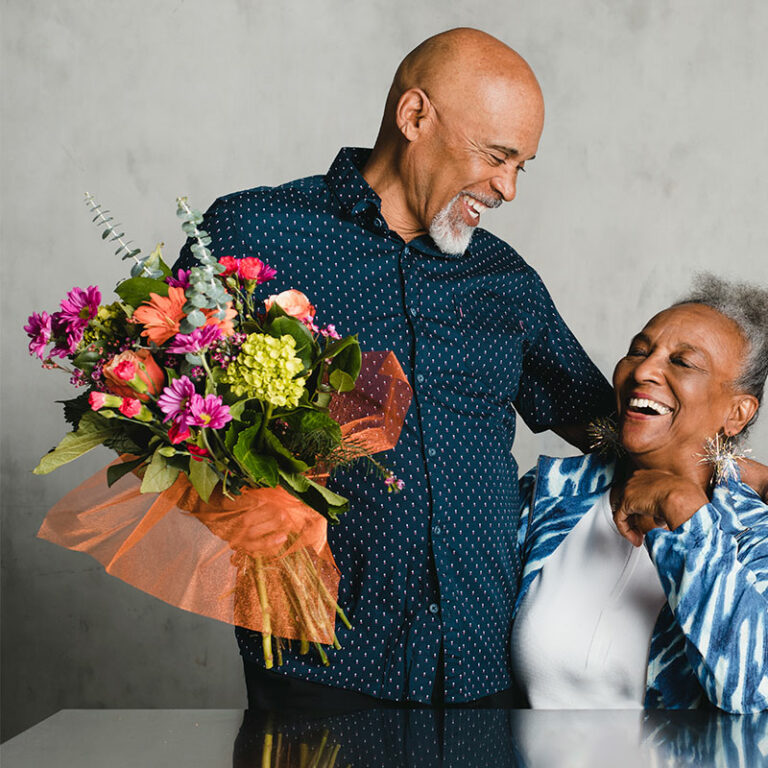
(196, 318)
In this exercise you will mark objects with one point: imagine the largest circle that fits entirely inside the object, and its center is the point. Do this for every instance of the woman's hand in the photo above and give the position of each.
(653, 498)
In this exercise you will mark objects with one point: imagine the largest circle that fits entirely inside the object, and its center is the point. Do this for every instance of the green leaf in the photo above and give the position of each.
(196, 318)
(285, 459)
(298, 483)
(345, 368)
(341, 381)
(75, 408)
(306, 347)
(87, 359)
(160, 475)
(136, 290)
(308, 420)
(92, 431)
(116, 471)
(262, 469)
(329, 504)
(203, 478)
(337, 346)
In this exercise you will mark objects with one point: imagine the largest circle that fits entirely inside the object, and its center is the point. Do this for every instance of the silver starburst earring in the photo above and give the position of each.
(604, 437)
(723, 454)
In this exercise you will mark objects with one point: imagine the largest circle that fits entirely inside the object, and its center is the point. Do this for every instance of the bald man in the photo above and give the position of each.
(387, 245)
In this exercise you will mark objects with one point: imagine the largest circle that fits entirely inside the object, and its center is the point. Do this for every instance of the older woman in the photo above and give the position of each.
(600, 623)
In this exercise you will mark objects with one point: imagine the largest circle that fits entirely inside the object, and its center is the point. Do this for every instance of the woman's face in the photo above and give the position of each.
(674, 386)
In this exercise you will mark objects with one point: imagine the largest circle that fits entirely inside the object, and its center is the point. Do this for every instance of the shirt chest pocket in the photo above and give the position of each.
(482, 356)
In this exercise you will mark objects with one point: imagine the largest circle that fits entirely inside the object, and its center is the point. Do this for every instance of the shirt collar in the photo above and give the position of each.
(360, 203)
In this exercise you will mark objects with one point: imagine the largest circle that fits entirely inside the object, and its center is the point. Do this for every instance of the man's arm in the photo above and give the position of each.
(577, 435)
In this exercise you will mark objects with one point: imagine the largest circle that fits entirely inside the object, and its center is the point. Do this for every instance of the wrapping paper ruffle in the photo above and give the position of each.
(188, 553)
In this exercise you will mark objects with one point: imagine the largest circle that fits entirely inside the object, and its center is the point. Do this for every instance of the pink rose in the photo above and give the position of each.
(125, 370)
(293, 303)
(148, 378)
(230, 265)
(130, 407)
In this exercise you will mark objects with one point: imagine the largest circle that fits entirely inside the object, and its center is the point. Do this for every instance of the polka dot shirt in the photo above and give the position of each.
(434, 566)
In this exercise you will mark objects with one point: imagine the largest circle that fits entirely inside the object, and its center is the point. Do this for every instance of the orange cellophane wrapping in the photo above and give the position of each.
(156, 542)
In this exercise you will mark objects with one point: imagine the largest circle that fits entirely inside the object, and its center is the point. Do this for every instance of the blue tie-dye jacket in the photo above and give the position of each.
(710, 642)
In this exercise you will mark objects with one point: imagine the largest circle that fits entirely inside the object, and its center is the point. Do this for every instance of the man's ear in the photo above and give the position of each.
(412, 109)
(743, 409)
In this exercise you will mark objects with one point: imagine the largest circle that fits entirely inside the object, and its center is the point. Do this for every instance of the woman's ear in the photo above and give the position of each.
(412, 107)
(744, 407)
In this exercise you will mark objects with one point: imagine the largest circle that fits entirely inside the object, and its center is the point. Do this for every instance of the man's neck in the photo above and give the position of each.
(382, 172)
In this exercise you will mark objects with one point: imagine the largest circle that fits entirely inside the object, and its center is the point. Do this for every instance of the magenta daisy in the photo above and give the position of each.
(197, 341)
(39, 330)
(181, 280)
(174, 400)
(80, 306)
(208, 411)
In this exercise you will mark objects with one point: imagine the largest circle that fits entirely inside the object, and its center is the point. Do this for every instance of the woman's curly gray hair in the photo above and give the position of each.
(747, 306)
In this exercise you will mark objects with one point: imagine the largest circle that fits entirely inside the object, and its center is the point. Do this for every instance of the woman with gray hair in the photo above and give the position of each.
(682, 622)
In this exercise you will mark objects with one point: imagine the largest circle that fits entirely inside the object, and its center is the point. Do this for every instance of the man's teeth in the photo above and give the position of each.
(641, 402)
(475, 206)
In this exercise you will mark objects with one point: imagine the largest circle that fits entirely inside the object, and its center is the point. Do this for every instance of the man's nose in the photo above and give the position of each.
(505, 183)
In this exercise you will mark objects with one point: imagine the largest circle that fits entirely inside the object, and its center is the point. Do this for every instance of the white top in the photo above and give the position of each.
(582, 634)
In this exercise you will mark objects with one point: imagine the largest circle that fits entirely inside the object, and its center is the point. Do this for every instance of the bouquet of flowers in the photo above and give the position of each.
(230, 408)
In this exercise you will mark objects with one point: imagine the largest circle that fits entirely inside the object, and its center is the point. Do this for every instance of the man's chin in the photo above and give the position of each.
(450, 241)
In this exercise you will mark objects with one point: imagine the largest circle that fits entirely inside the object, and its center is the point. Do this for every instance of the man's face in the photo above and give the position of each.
(468, 161)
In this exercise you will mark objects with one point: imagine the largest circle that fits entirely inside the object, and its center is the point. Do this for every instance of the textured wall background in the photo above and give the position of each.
(653, 164)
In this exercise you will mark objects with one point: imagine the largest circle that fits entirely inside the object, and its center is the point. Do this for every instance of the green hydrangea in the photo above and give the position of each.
(109, 324)
(266, 368)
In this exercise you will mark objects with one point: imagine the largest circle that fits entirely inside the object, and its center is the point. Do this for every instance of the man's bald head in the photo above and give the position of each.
(465, 70)
(463, 116)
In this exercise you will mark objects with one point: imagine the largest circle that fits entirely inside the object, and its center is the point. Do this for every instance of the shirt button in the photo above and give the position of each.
(378, 223)
(419, 378)
(432, 452)
(437, 530)
(434, 608)
(414, 312)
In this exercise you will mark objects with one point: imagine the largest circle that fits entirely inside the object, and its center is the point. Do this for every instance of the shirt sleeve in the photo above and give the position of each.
(559, 384)
(716, 584)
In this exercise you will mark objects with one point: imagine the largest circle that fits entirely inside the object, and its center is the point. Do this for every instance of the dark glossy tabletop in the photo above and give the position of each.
(463, 738)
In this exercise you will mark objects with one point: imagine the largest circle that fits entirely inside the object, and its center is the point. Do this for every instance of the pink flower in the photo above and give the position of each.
(180, 281)
(330, 330)
(251, 268)
(125, 370)
(175, 399)
(130, 407)
(293, 303)
(39, 330)
(394, 484)
(197, 341)
(230, 265)
(80, 306)
(208, 411)
(178, 432)
(97, 400)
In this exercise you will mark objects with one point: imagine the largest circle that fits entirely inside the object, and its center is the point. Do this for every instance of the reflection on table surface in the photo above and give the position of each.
(391, 738)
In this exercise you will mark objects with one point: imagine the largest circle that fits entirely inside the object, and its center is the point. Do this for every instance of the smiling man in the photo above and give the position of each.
(387, 245)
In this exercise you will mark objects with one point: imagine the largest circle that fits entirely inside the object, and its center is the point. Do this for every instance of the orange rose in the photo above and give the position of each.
(148, 378)
(293, 303)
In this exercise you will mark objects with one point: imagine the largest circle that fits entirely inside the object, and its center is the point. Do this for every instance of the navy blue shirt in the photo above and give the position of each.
(480, 339)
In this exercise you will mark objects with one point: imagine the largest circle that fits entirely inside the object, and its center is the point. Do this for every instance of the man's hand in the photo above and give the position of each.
(655, 499)
(755, 475)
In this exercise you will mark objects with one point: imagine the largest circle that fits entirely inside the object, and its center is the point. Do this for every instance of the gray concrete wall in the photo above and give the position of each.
(653, 164)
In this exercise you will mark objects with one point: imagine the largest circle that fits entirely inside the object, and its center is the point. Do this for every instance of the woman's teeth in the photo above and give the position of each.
(642, 402)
